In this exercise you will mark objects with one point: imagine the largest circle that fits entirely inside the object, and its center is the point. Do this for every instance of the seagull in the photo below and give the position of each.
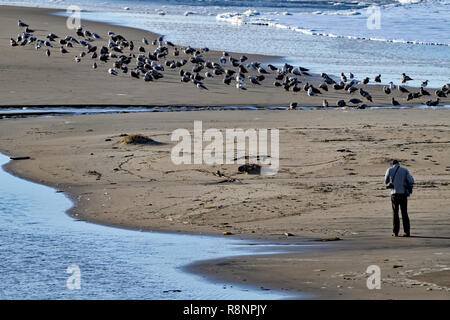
(424, 84)
(365, 80)
(112, 71)
(352, 89)
(395, 102)
(241, 85)
(13, 43)
(341, 103)
(22, 24)
(392, 86)
(440, 93)
(403, 89)
(311, 93)
(323, 86)
(432, 103)
(94, 66)
(424, 92)
(405, 78)
(378, 78)
(201, 86)
(343, 77)
(262, 70)
(63, 50)
(254, 80)
(387, 90)
(293, 105)
(47, 52)
(355, 101)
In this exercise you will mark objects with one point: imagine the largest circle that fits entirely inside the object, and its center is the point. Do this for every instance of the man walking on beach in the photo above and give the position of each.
(401, 182)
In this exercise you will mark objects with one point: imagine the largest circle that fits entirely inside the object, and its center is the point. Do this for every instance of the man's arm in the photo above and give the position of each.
(409, 179)
(386, 176)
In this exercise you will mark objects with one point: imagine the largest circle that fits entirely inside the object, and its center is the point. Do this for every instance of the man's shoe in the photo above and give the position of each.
(394, 234)
(406, 235)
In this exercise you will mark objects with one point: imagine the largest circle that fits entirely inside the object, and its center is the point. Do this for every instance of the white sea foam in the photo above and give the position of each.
(409, 22)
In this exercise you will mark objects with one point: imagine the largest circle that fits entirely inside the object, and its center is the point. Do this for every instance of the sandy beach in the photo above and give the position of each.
(330, 184)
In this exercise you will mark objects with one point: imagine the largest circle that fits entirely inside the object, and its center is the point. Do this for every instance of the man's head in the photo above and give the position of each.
(394, 162)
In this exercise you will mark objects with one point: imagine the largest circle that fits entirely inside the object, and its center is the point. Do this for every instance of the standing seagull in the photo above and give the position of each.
(22, 24)
(47, 53)
(405, 78)
(424, 84)
(395, 102)
(112, 71)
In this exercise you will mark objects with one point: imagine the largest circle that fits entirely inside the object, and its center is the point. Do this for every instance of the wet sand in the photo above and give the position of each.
(330, 184)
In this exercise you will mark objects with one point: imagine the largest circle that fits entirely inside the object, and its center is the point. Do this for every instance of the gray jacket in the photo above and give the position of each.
(401, 181)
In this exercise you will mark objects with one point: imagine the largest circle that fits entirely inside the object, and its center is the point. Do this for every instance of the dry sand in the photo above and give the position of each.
(319, 193)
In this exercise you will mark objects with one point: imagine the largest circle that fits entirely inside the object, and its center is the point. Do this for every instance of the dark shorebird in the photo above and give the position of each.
(378, 78)
(325, 103)
(112, 71)
(47, 52)
(63, 50)
(440, 93)
(341, 103)
(424, 92)
(323, 86)
(432, 103)
(403, 89)
(352, 89)
(424, 84)
(405, 78)
(355, 101)
(22, 24)
(365, 94)
(338, 86)
(395, 102)
(387, 90)
(343, 77)
(293, 105)
(201, 86)
(365, 80)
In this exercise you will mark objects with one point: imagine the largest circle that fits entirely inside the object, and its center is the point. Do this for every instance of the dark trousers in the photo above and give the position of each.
(400, 200)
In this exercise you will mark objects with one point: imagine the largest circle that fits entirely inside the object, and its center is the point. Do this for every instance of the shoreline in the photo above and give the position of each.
(312, 198)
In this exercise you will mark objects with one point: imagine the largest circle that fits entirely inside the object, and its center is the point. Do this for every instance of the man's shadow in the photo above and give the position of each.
(429, 237)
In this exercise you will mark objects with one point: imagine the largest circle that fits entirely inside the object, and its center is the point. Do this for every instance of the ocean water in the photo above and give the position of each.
(367, 37)
(39, 243)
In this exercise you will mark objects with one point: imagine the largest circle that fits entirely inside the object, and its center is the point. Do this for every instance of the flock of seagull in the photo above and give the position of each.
(194, 68)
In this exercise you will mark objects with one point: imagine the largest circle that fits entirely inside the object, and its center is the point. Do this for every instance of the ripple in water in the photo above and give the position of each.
(38, 242)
